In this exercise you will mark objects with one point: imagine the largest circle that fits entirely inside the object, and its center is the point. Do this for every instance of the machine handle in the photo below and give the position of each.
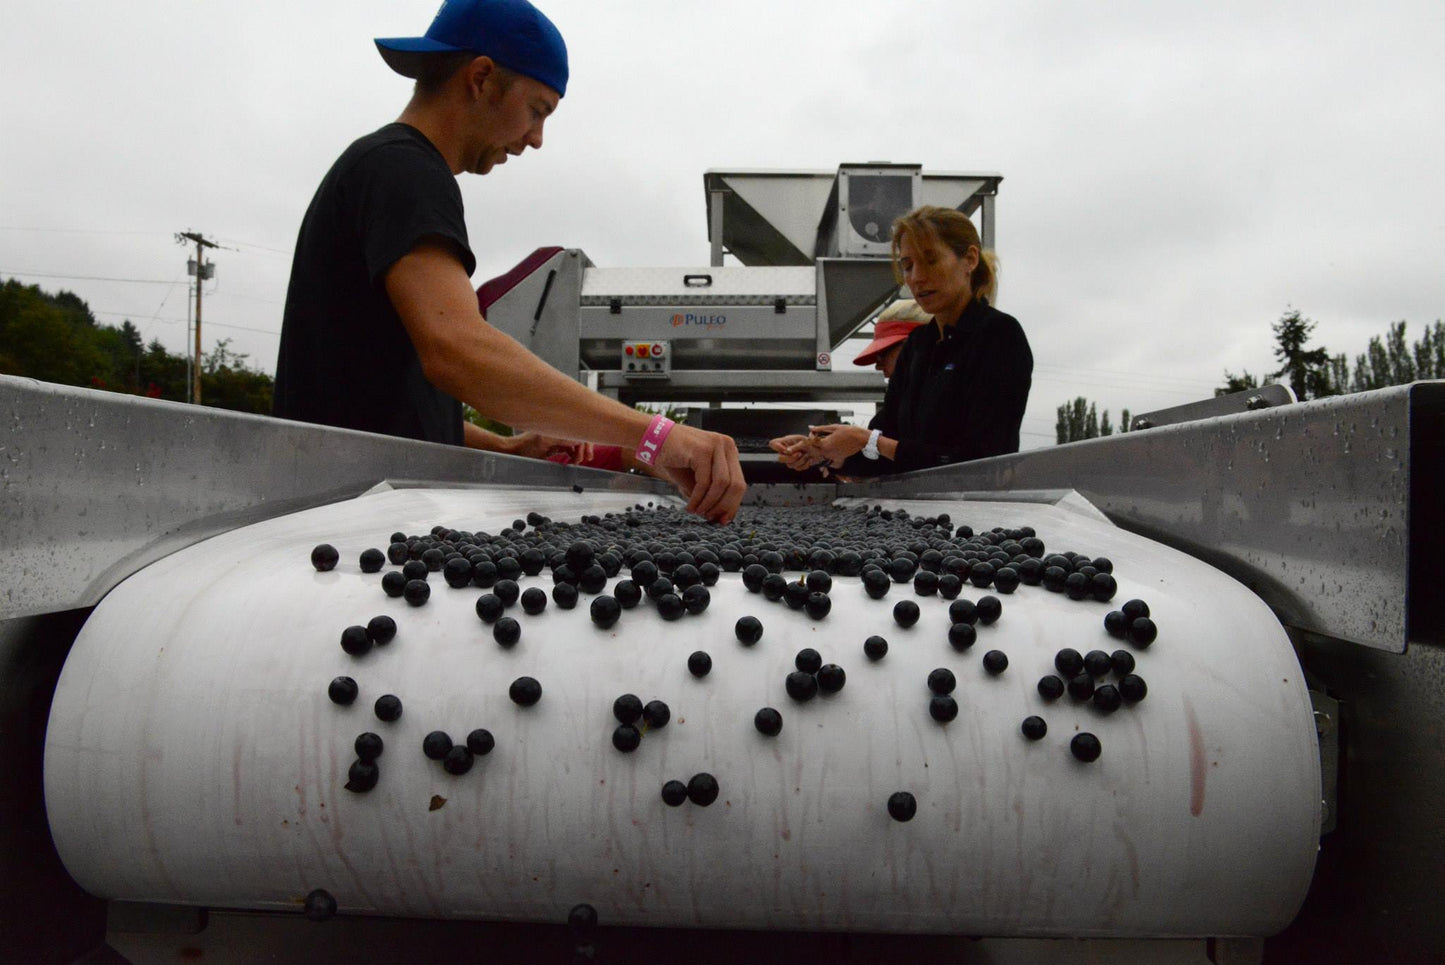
(542, 302)
(697, 281)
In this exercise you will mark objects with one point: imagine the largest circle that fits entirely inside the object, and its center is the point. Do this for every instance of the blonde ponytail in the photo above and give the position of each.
(984, 279)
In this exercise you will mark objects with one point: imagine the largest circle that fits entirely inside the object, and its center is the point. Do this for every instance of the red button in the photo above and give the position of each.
(642, 351)
(657, 350)
(628, 350)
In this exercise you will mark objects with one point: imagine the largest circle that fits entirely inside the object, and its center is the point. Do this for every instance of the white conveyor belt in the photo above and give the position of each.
(193, 755)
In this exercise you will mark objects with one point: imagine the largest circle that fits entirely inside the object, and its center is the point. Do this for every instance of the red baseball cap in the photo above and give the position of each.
(885, 336)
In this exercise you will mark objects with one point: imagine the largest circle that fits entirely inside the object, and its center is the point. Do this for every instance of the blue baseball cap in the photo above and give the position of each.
(512, 32)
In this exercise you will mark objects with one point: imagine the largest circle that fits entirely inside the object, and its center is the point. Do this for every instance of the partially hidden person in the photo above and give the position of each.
(890, 329)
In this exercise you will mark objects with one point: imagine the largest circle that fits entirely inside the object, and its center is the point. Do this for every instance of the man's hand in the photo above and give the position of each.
(532, 445)
(704, 467)
(568, 452)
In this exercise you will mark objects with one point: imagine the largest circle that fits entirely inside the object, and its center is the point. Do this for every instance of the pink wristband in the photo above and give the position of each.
(653, 439)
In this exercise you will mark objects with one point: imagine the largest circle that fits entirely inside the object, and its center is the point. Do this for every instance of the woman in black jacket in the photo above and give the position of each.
(961, 383)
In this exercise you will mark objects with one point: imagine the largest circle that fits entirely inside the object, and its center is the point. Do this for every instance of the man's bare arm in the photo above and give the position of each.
(486, 368)
(532, 445)
(489, 370)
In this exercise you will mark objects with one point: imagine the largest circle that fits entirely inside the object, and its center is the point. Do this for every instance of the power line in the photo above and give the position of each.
(247, 244)
(176, 321)
(1135, 376)
(111, 231)
(244, 328)
(218, 291)
(142, 281)
(165, 298)
(43, 274)
(1131, 387)
(128, 316)
(80, 231)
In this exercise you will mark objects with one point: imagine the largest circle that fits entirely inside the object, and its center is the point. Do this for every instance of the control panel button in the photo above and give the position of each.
(644, 359)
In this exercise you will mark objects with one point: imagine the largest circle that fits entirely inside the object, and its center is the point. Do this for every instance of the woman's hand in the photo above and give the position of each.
(795, 452)
(834, 443)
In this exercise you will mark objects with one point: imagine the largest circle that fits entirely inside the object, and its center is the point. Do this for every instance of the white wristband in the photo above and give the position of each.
(870, 449)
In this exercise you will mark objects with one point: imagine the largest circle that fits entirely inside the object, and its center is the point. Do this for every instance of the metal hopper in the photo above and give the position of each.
(815, 265)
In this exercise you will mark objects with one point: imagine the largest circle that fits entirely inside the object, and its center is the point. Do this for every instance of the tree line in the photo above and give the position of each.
(1312, 372)
(1081, 419)
(56, 338)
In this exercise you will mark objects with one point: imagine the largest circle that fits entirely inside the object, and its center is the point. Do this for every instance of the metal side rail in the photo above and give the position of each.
(1326, 509)
(94, 485)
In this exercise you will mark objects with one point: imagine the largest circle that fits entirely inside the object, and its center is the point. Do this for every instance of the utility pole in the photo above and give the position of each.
(202, 270)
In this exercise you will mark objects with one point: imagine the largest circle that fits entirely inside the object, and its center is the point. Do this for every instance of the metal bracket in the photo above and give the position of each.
(1250, 400)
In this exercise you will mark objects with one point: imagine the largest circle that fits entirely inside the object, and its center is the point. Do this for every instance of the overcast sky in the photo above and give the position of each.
(1175, 175)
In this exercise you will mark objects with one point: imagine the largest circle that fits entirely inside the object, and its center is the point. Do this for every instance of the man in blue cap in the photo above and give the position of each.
(382, 331)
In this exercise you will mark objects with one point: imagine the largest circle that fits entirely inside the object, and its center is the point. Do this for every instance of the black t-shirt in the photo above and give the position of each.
(956, 396)
(345, 358)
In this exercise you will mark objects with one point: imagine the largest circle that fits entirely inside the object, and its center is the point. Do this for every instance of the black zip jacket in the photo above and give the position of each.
(954, 397)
